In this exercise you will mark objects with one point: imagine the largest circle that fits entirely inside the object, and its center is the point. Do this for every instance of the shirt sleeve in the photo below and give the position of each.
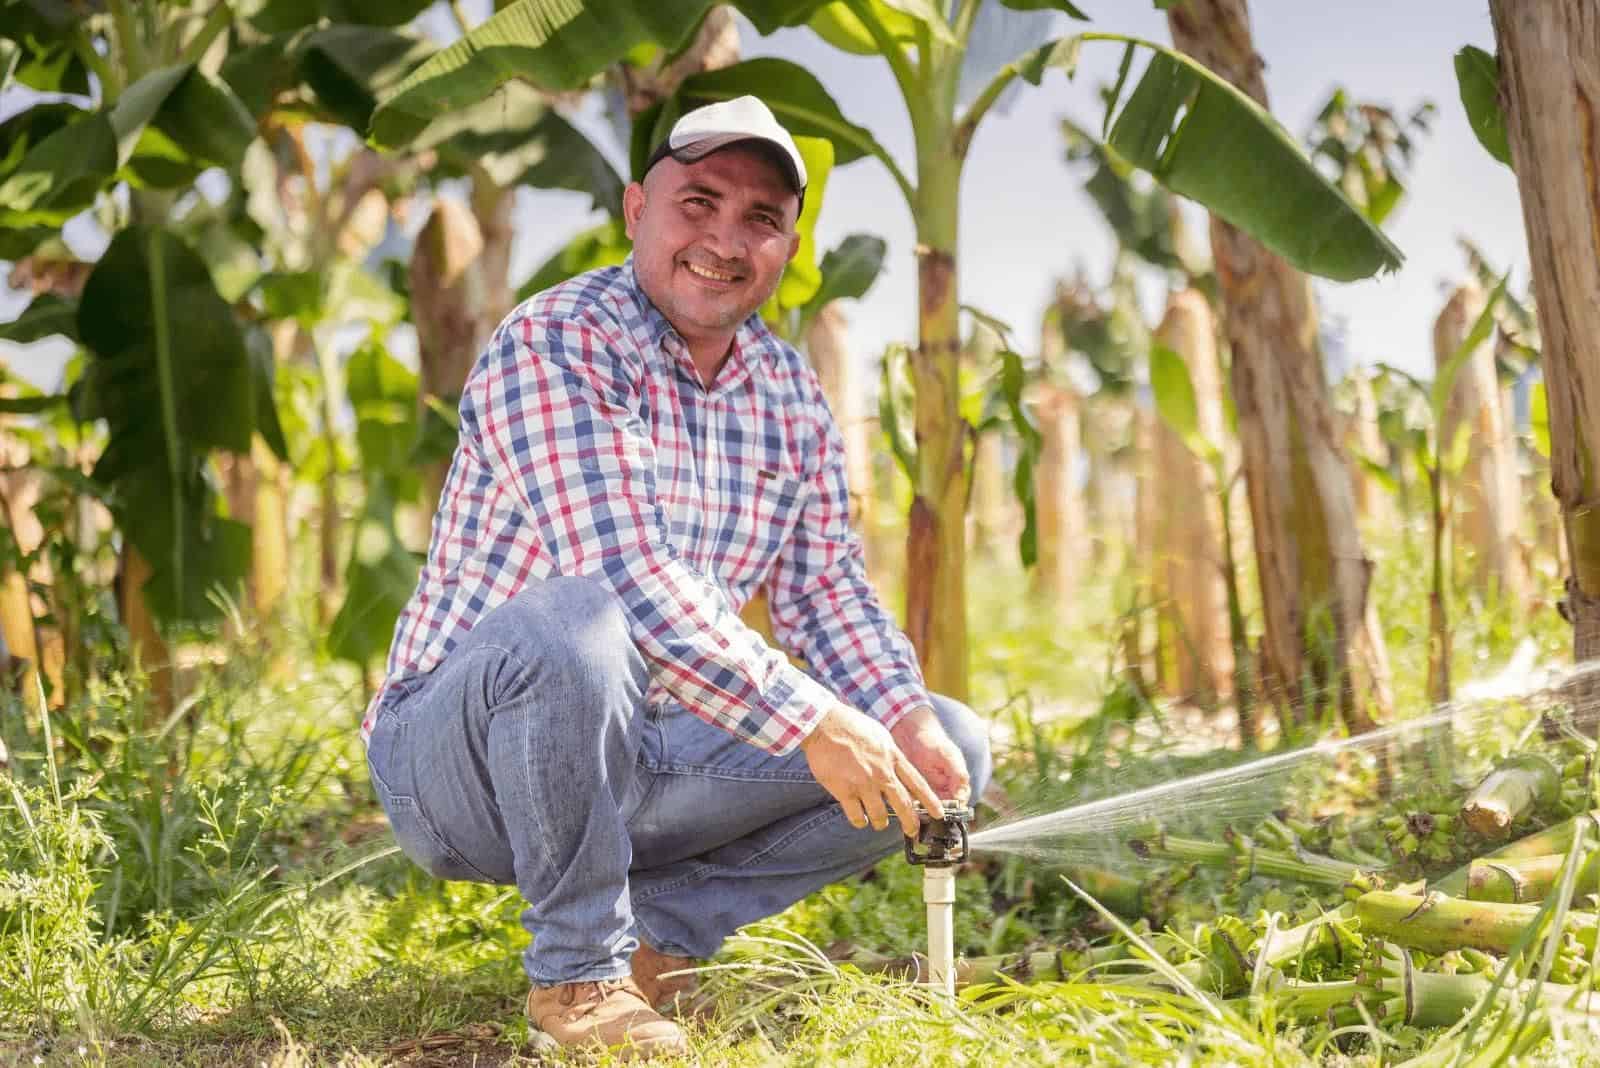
(824, 607)
(557, 414)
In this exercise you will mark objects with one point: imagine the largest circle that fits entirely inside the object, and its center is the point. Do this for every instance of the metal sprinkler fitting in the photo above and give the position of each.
(943, 842)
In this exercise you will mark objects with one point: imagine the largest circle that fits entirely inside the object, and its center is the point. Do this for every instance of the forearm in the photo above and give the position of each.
(835, 621)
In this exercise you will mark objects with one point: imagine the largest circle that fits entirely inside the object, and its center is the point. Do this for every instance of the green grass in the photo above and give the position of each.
(220, 889)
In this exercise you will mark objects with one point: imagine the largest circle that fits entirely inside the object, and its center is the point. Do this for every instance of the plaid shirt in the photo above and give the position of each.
(590, 447)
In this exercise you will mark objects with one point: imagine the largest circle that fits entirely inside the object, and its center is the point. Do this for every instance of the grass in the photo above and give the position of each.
(220, 888)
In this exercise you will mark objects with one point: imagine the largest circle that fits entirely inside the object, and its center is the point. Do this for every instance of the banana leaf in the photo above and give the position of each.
(170, 373)
(61, 174)
(1202, 138)
(554, 44)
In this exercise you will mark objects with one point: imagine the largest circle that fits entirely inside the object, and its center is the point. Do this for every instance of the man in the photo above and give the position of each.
(573, 704)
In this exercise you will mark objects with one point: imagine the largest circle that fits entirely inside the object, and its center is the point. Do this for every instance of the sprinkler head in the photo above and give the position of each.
(942, 836)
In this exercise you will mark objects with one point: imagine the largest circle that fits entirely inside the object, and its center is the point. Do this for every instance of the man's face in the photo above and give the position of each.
(710, 238)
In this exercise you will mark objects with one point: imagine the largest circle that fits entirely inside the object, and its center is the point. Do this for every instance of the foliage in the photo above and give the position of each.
(1139, 217)
(172, 377)
(1368, 149)
(1478, 77)
(1281, 200)
(381, 573)
(251, 885)
(602, 245)
(176, 890)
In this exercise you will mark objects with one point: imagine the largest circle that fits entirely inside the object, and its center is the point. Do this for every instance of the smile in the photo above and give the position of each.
(709, 274)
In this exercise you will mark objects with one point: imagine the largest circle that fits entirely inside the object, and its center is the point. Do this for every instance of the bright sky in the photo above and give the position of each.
(1025, 220)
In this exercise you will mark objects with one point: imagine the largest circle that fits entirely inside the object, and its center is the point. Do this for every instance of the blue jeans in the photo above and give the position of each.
(530, 757)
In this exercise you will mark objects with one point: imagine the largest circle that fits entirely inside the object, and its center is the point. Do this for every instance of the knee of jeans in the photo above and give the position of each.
(971, 735)
(575, 620)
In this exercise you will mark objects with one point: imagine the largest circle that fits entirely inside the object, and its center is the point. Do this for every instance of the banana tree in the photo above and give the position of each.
(1262, 181)
(1547, 52)
(1322, 641)
(176, 89)
(158, 116)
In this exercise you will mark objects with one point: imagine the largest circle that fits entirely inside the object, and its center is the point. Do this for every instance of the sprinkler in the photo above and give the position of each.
(942, 840)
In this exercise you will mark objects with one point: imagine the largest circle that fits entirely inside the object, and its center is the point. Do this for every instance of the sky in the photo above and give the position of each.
(1025, 220)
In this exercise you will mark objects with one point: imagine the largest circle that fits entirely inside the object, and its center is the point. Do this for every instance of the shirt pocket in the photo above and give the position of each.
(754, 514)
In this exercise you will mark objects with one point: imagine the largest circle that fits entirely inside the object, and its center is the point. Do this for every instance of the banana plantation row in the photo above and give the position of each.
(249, 162)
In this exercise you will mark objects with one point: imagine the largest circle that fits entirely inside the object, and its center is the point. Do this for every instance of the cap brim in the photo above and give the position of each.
(701, 147)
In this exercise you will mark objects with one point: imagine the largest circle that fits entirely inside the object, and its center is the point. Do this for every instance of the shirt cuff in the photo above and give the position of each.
(793, 710)
(897, 700)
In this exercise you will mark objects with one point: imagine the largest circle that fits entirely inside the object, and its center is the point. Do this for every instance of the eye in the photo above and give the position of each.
(767, 220)
(697, 201)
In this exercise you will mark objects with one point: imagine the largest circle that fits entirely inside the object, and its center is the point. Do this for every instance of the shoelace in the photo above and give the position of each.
(596, 993)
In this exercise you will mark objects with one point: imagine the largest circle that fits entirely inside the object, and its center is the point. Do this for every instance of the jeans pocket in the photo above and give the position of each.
(420, 842)
(380, 754)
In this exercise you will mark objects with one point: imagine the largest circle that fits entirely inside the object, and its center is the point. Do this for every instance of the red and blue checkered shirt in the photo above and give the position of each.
(589, 446)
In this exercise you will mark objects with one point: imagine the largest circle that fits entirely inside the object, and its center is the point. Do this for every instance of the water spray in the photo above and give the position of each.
(942, 839)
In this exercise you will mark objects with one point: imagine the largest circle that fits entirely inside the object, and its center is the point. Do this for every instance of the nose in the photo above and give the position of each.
(724, 238)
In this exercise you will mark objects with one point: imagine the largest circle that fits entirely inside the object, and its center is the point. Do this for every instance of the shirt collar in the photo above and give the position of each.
(753, 339)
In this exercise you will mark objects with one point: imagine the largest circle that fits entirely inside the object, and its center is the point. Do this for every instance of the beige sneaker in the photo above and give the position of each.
(611, 1013)
(650, 965)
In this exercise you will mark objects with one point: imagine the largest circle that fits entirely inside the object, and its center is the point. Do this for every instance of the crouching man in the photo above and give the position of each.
(572, 703)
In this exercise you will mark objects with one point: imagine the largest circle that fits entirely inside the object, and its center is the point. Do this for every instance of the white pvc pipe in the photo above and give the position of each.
(939, 892)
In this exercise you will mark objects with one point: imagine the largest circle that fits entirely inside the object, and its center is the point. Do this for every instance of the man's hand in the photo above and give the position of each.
(930, 750)
(854, 758)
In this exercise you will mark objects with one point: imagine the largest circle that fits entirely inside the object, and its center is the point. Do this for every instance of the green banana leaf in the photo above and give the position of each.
(848, 271)
(381, 573)
(170, 373)
(519, 139)
(1140, 218)
(338, 72)
(349, 68)
(836, 24)
(1478, 79)
(1006, 390)
(801, 275)
(36, 35)
(1047, 5)
(343, 292)
(47, 315)
(193, 551)
(60, 175)
(554, 44)
(24, 130)
(1173, 390)
(261, 74)
(926, 14)
(378, 581)
(264, 389)
(1202, 138)
(383, 392)
(278, 16)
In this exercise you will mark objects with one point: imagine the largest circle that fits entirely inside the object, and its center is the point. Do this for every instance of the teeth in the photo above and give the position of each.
(707, 272)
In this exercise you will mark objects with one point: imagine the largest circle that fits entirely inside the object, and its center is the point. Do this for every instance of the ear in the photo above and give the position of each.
(794, 246)
(632, 206)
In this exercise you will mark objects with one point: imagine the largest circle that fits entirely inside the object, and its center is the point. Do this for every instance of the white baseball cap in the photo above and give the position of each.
(745, 118)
